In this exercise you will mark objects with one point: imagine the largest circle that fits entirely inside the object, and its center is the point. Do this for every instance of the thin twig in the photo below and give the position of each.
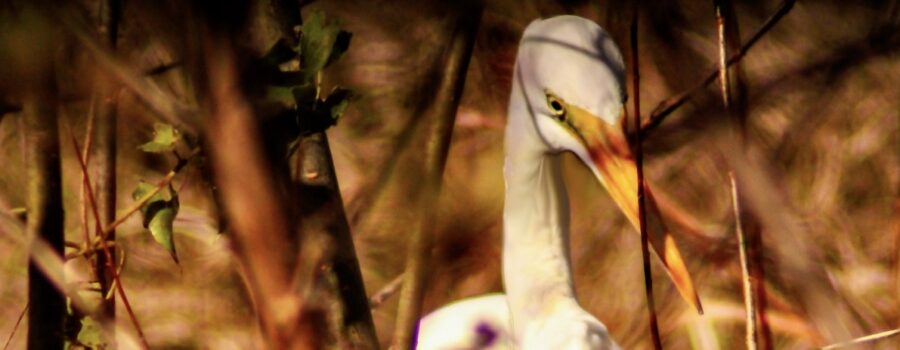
(138, 204)
(162, 68)
(86, 154)
(388, 291)
(639, 162)
(16, 326)
(749, 300)
(86, 252)
(669, 105)
(106, 249)
(865, 339)
(112, 288)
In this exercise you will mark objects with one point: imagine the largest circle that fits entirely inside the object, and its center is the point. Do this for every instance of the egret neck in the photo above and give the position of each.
(536, 224)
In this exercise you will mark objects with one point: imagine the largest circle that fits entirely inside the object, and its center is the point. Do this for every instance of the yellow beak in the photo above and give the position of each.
(615, 168)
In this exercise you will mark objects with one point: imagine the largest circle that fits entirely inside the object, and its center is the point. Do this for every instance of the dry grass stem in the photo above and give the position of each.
(669, 105)
(16, 326)
(639, 162)
(749, 302)
(865, 339)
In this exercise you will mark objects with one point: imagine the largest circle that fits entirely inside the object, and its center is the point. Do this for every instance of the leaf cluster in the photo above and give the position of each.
(294, 75)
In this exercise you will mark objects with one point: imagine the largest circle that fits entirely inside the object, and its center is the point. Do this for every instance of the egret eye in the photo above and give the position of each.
(557, 108)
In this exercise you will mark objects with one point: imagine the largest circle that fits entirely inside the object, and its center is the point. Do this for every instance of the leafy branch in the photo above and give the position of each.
(101, 234)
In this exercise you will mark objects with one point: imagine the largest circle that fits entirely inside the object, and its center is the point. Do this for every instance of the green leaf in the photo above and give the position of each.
(159, 215)
(316, 43)
(341, 44)
(319, 115)
(164, 138)
(304, 95)
(336, 102)
(282, 96)
(279, 53)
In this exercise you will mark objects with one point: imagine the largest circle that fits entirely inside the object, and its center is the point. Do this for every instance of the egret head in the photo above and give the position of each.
(573, 81)
(570, 81)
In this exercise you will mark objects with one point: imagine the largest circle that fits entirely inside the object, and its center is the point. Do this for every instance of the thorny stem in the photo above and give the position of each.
(669, 105)
(639, 162)
(106, 249)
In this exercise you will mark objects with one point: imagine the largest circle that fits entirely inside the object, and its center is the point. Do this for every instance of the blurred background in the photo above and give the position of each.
(823, 133)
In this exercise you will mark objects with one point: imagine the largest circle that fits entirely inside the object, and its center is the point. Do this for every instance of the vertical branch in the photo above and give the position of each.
(639, 162)
(749, 235)
(106, 162)
(104, 246)
(44, 199)
(669, 105)
(723, 65)
(436, 130)
(322, 213)
(255, 212)
(82, 195)
(749, 300)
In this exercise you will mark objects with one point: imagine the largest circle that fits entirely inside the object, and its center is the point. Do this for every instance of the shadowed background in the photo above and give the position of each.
(823, 123)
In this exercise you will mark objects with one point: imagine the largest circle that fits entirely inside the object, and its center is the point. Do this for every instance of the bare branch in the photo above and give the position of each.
(437, 131)
(669, 105)
(107, 251)
(639, 162)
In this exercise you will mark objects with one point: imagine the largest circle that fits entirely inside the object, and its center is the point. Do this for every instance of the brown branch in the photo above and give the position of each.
(44, 187)
(321, 213)
(669, 105)
(436, 134)
(748, 234)
(106, 162)
(106, 248)
(255, 211)
(639, 162)
(87, 252)
(160, 102)
(51, 264)
(140, 202)
(85, 153)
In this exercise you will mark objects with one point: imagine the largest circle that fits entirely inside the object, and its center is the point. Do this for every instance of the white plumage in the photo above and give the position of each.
(567, 96)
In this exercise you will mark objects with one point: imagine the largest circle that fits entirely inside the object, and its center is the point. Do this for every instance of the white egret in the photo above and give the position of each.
(567, 96)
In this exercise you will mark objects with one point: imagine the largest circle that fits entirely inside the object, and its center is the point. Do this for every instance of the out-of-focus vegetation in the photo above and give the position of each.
(824, 160)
